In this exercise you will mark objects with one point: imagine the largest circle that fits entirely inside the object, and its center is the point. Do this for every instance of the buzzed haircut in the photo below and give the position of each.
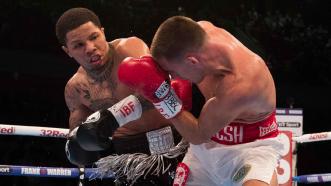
(72, 19)
(176, 36)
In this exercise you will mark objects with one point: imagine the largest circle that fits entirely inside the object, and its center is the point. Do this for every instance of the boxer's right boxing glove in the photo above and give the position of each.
(95, 133)
(146, 77)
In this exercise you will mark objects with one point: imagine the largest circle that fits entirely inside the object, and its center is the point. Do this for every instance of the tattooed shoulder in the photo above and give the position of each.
(71, 93)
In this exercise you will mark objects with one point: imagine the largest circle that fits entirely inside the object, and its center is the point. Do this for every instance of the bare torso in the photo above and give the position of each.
(239, 69)
(85, 95)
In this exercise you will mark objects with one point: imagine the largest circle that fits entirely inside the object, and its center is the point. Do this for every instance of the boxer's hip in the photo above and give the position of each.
(239, 133)
(222, 161)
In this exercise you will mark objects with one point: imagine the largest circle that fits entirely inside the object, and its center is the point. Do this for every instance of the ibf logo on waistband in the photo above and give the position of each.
(266, 130)
(162, 90)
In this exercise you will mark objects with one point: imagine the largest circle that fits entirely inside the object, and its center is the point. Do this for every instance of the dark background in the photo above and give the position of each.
(293, 37)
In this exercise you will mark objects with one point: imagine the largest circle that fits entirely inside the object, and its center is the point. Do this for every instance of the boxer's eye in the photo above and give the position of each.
(78, 45)
(94, 37)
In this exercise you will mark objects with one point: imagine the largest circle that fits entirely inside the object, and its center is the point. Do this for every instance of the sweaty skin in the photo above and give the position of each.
(95, 84)
(235, 82)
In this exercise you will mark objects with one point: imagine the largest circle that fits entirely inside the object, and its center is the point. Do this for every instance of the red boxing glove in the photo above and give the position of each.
(146, 77)
(183, 89)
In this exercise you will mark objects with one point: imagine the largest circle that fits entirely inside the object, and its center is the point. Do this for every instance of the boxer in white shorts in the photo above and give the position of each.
(234, 140)
(219, 163)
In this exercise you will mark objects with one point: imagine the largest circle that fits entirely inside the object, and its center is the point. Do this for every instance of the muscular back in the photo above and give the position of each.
(240, 75)
(85, 94)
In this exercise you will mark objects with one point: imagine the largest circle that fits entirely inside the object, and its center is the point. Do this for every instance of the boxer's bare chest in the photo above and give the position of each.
(99, 95)
(102, 93)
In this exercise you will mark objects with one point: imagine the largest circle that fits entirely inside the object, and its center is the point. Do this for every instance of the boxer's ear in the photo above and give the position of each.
(192, 59)
(66, 50)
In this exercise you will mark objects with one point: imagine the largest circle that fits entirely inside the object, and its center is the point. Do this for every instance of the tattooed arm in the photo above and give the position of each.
(78, 111)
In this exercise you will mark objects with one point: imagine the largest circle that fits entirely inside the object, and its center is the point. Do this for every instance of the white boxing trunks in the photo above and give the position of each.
(216, 163)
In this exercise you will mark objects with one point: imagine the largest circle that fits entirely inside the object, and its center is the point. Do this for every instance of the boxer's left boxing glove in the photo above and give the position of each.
(95, 133)
(76, 154)
(146, 77)
(183, 89)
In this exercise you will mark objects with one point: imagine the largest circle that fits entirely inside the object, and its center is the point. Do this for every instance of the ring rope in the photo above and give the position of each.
(313, 137)
(313, 178)
(58, 172)
(20, 130)
(82, 173)
(86, 173)
(7, 129)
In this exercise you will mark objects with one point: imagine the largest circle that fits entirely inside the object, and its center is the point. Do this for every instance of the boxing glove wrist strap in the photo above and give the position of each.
(128, 109)
(170, 105)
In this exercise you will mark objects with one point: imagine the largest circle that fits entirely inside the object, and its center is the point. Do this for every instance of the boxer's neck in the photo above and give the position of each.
(105, 71)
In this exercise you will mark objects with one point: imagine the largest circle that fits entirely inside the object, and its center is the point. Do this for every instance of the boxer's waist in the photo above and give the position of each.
(153, 142)
(238, 133)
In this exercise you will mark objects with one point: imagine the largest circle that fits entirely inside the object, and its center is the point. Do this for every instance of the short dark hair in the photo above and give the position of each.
(175, 36)
(72, 19)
